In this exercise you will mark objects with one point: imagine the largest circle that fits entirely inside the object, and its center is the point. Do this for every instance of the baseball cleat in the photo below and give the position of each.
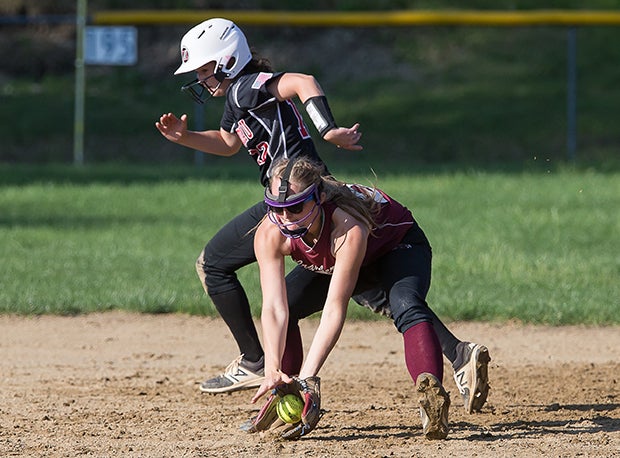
(236, 377)
(471, 375)
(434, 405)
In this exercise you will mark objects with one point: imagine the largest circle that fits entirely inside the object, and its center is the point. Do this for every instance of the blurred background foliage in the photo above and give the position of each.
(424, 94)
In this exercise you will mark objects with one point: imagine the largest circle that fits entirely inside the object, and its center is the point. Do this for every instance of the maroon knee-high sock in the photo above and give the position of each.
(293, 351)
(423, 351)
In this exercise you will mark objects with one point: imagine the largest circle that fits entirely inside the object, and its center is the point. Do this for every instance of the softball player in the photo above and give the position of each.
(260, 115)
(360, 239)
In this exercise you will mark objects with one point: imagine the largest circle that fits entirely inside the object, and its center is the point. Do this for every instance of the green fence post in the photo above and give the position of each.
(80, 77)
(571, 94)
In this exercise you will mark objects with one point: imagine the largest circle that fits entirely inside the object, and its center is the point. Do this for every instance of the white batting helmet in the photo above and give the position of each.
(218, 40)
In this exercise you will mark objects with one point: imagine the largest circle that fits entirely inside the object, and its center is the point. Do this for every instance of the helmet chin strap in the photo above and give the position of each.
(300, 231)
(212, 91)
(294, 233)
(220, 76)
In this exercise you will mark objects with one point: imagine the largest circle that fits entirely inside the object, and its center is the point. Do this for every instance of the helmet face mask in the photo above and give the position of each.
(275, 212)
(293, 203)
(199, 90)
(215, 40)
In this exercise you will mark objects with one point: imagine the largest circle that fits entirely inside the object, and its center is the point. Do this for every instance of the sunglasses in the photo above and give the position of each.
(294, 209)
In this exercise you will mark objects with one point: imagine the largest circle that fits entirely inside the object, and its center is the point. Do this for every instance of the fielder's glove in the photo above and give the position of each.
(309, 390)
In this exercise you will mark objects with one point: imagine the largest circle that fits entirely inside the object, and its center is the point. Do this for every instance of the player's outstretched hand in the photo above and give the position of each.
(270, 382)
(171, 127)
(345, 137)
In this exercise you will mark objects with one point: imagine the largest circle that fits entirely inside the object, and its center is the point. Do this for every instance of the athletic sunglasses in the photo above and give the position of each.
(293, 204)
(293, 209)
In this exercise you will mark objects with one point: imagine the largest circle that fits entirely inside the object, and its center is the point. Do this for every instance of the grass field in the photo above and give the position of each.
(538, 246)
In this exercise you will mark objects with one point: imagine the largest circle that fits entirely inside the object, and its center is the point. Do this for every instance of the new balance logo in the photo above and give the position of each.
(461, 383)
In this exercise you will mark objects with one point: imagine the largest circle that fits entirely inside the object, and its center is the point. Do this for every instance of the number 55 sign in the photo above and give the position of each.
(111, 45)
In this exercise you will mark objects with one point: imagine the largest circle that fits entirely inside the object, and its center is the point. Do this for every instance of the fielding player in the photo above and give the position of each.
(360, 239)
(260, 115)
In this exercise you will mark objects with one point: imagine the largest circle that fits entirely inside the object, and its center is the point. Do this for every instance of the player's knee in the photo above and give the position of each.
(206, 266)
(414, 313)
(215, 277)
(200, 264)
(200, 270)
(212, 277)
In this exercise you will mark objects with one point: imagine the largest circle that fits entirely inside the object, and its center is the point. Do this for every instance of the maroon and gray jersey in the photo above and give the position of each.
(269, 129)
(392, 223)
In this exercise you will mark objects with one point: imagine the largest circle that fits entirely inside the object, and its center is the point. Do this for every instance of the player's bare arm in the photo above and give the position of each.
(349, 242)
(270, 246)
(217, 142)
(307, 89)
(295, 85)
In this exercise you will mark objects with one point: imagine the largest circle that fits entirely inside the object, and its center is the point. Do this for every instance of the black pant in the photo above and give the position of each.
(395, 285)
(232, 247)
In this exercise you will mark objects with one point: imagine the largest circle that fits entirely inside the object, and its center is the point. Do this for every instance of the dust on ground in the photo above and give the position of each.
(121, 384)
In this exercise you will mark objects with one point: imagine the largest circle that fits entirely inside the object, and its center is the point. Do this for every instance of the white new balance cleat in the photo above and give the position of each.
(471, 375)
(236, 377)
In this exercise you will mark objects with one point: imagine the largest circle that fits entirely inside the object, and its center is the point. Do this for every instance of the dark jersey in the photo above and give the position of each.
(392, 223)
(268, 128)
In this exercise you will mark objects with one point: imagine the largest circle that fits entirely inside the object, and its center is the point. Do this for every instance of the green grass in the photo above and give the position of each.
(537, 245)
(538, 248)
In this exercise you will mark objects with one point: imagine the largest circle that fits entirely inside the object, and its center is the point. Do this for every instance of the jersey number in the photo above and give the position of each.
(260, 152)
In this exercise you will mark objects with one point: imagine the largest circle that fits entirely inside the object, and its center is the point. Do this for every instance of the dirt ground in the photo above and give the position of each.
(120, 384)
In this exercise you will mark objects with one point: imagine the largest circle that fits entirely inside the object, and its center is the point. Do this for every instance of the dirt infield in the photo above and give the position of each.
(119, 384)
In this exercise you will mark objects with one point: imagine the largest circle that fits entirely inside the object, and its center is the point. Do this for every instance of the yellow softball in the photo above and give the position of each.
(289, 408)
